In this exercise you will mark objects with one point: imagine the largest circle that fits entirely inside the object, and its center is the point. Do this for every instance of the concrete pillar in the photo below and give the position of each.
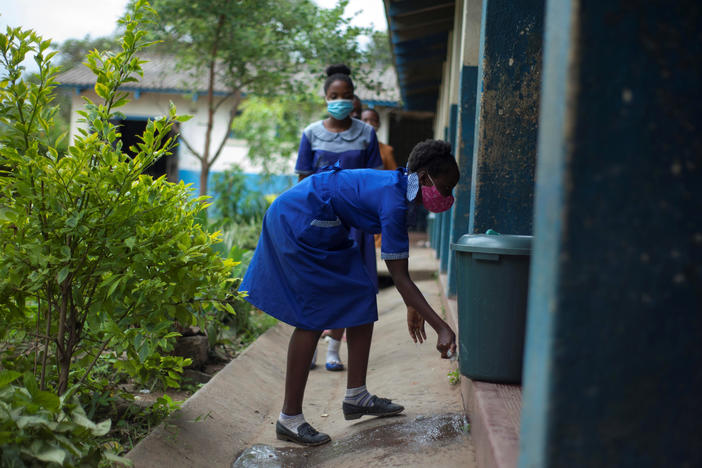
(509, 80)
(613, 365)
(471, 15)
(455, 48)
(446, 252)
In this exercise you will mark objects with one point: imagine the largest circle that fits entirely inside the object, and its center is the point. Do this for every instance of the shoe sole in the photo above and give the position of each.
(351, 416)
(295, 441)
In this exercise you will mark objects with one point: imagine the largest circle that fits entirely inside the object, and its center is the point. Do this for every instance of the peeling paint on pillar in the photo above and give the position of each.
(510, 78)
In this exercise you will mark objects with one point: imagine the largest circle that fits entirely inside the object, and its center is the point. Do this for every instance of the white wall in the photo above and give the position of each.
(384, 130)
(153, 105)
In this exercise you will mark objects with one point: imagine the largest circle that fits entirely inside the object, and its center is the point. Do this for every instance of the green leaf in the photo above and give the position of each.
(7, 214)
(79, 418)
(47, 400)
(8, 376)
(55, 455)
(72, 222)
(31, 383)
(144, 352)
(102, 428)
(34, 421)
(102, 90)
(62, 274)
(117, 459)
(113, 286)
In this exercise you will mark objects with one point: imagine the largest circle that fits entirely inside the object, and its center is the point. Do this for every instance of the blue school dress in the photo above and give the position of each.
(306, 271)
(355, 148)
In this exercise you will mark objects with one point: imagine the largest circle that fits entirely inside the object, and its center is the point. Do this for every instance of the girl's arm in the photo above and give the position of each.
(415, 300)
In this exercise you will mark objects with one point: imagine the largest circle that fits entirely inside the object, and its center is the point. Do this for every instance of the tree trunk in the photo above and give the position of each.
(204, 173)
(64, 361)
(210, 107)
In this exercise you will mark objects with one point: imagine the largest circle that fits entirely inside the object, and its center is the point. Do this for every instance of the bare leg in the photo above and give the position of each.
(300, 350)
(337, 333)
(359, 341)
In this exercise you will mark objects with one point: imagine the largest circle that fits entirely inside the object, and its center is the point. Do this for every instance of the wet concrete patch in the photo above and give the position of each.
(415, 435)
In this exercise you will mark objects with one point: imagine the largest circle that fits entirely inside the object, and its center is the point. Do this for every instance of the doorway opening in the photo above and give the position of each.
(131, 129)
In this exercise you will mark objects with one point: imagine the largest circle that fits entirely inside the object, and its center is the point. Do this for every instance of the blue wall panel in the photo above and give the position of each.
(446, 251)
(464, 153)
(613, 366)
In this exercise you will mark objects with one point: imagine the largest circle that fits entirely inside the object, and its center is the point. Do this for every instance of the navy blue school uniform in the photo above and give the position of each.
(306, 271)
(354, 148)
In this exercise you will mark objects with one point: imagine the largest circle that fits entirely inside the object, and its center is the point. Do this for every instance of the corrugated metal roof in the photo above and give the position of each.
(162, 75)
(419, 36)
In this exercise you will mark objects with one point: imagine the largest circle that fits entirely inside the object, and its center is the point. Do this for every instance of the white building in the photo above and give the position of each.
(162, 84)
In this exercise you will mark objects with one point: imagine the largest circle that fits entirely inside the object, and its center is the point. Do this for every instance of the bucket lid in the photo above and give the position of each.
(505, 244)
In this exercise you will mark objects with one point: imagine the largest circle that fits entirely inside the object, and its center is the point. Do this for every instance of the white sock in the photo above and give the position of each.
(333, 350)
(291, 422)
(358, 396)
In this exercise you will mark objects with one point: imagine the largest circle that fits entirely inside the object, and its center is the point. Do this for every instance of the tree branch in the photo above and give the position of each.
(210, 90)
(48, 332)
(92, 364)
(190, 148)
(232, 116)
(224, 99)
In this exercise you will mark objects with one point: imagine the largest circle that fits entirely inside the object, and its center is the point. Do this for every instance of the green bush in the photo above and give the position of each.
(95, 254)
(233, 201)
(98, 261)
(38, 428)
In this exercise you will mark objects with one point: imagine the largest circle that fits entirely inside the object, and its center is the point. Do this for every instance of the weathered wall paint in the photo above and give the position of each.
(464, 154)
(510, 76)
(613, 365)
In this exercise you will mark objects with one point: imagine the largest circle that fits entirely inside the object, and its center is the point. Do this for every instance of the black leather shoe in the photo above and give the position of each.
(381, 407)
(306, 435)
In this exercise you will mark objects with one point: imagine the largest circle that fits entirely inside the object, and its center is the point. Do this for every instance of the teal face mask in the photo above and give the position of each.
(340, 108)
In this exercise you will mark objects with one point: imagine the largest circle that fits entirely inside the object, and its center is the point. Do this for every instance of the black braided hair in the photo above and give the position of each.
(433, 156)
(336, 72)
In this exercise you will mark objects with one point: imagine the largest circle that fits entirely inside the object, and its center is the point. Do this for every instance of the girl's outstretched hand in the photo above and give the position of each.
(415, 324)
(446, 342)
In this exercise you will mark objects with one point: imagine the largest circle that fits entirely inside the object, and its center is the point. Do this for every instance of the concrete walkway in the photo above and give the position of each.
(230, 421)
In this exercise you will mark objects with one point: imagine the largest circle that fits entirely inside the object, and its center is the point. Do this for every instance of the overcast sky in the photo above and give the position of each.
(59, 20)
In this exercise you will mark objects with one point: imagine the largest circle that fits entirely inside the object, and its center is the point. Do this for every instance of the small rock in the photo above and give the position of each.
(193, 347)
(324, 415)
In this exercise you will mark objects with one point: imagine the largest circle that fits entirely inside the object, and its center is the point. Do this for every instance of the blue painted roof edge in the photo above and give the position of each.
(132, 89)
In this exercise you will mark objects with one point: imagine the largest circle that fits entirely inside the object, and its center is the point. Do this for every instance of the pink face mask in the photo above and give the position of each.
(433, 200)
